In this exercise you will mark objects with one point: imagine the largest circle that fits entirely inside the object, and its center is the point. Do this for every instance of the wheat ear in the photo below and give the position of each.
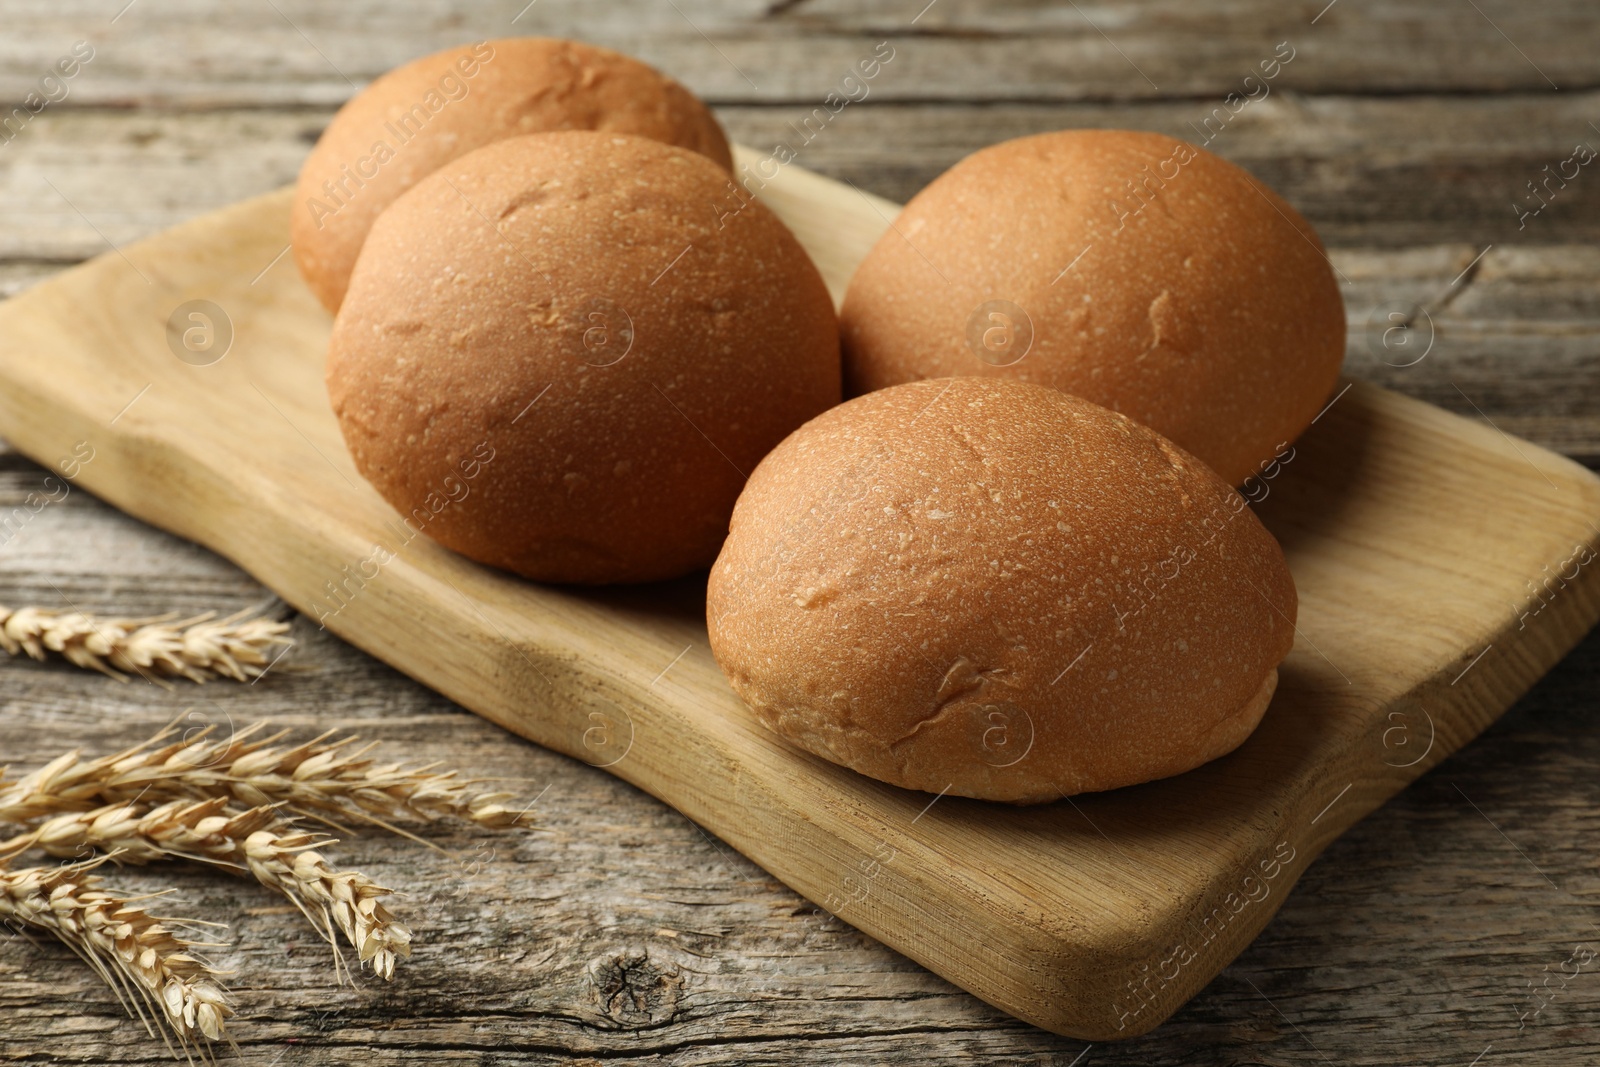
(152, 969)
(162, 646)
(324, 775)
(257, 842)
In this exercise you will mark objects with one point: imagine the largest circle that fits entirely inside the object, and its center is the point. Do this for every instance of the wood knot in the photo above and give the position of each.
(634, 993)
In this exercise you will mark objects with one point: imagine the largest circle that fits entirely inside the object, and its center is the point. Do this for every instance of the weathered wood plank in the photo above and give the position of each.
(298, 52)
(1388, 171)
(17, 275)
(1511, 336)
(1367, 172)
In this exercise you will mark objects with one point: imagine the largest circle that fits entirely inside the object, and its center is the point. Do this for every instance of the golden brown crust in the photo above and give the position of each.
(1159, 280)
(444, 105)
(576, 320)
(999, 590)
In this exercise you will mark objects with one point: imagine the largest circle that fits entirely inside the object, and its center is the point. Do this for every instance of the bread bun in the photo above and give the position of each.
(998, 590)
(566, 316)
(416, 118)
(1131, 269)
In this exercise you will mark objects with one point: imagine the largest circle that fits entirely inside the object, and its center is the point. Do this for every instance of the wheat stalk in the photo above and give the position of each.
(255, 841)
(220, 802)
(150, 967)
(162, 646)
(324, 775)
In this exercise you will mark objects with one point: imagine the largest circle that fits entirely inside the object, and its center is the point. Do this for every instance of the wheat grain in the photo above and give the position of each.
(255, 841)
(353, 901)
(324, 775)
(220, 802)
(153, 970)
(162, 646)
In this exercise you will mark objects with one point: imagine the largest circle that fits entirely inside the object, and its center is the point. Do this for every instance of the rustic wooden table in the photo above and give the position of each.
(1442, 149)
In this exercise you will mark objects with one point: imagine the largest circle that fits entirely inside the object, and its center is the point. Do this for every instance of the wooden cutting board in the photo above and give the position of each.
(1442, 568)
